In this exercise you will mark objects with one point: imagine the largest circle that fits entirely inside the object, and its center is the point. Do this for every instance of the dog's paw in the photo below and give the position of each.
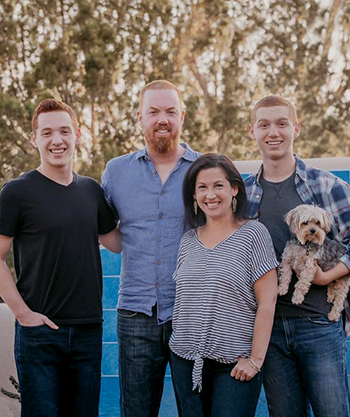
(282, 290)
(297, 298)
(330, 296)
(334, 315)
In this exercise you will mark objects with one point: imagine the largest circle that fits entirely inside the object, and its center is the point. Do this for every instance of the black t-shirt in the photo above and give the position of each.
(56, 251)
(277, 200)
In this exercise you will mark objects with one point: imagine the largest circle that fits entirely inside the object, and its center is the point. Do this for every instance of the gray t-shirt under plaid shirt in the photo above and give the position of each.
(215, 304)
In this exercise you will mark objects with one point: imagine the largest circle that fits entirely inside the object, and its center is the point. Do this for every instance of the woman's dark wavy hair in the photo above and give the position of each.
(211, 160)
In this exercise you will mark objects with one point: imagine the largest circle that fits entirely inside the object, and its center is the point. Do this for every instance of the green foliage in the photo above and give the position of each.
(96, 55)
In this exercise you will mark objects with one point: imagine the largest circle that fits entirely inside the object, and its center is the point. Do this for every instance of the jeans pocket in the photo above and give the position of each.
(126, 313)
(40, 332)
(37, 326)
(322, 321)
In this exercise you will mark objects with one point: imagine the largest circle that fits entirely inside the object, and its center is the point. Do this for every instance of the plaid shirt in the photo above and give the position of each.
(314, 186)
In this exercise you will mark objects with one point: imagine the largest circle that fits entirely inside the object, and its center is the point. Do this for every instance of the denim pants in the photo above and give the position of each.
(221, 395)
(306, 361)
(59, 371)
(143, 356)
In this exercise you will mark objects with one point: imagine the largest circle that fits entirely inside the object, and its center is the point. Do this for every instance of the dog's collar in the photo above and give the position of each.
(308, 245)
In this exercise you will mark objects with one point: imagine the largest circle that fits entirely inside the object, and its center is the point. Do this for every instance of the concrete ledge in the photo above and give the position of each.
(8, 407)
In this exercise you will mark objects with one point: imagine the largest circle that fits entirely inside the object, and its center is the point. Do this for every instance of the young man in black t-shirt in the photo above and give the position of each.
(53, 217)
(306, 358)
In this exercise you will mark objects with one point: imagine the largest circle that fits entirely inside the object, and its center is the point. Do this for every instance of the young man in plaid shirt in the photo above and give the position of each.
(306, 359)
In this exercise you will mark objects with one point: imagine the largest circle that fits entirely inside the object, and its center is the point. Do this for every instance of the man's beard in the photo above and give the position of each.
(165, 145)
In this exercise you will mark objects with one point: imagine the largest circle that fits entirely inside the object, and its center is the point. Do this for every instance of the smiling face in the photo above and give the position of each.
(161, 118)
(55, 139)
(274, 132)
(214, 193)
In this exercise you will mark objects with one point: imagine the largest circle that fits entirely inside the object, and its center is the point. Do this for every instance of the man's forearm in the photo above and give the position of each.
(325, 277)
(9, 292)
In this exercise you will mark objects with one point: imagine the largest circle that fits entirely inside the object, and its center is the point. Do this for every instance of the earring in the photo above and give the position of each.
(195, 207)
(234, 204)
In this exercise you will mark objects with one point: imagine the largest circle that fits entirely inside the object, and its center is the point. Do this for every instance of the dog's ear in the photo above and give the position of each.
(327, 221)
(288, 218)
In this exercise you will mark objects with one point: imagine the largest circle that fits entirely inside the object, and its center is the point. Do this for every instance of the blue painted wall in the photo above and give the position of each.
(109, 404)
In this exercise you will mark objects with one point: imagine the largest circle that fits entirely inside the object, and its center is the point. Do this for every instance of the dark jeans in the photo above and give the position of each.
(143, 356)
(59, 371)
(306, 360)
(221, 395)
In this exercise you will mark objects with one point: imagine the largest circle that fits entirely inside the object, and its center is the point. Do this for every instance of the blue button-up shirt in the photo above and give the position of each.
(151, 218)
(314, 186)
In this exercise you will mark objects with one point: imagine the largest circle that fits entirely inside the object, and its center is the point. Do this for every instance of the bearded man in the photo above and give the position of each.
(144, 189)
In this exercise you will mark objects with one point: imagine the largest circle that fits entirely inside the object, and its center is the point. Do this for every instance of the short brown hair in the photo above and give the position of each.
(49, 105)
(273, 101)
(159, 85)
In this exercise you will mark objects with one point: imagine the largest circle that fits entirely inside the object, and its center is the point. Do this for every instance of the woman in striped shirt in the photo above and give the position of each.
(226, 286)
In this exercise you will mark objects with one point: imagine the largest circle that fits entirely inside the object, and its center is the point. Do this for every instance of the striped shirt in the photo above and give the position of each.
(215, 304)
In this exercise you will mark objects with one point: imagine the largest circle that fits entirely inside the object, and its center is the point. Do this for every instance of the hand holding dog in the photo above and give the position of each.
(326, 277)
(321, 277)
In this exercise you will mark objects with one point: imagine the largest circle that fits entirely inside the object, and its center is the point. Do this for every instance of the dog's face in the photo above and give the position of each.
(309, 223)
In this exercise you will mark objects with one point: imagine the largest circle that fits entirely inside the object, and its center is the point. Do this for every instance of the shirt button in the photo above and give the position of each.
(154, 171)
(160, 215)
(159, 239)
(157, 285)
(158, 262)
(162, 193)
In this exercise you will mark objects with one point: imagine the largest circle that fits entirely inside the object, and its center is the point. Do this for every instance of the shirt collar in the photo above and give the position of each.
(141, 153)
(300, 170)
(189, 155)
(258, 175)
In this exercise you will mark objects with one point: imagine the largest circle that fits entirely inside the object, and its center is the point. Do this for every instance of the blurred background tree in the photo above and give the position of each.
(96, 55)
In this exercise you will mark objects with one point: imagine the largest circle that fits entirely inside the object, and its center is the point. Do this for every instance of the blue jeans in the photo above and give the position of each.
(221, 395)
(59, 371)
(143, 356)
(306, 360)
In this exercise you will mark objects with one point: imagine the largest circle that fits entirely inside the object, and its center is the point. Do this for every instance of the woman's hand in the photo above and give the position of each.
(244, 370)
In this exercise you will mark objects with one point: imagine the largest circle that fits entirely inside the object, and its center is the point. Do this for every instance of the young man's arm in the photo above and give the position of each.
(339, 201)
(325, 277)
(11, 296)
(112, 240)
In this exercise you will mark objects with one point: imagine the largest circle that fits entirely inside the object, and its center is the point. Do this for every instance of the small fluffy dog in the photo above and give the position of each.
(305, 250)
